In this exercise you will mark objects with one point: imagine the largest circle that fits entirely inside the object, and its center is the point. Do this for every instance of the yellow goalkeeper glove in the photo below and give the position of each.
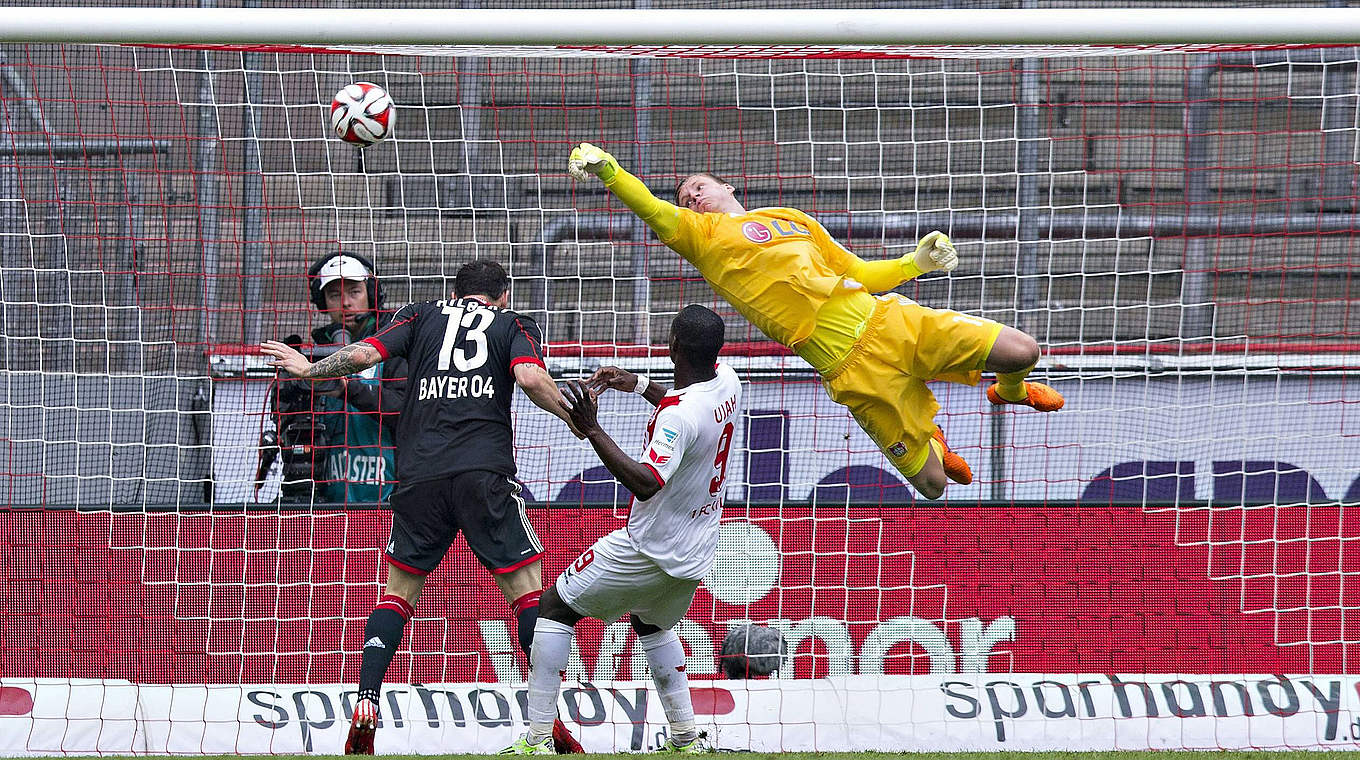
(586, 159)
(934, 252)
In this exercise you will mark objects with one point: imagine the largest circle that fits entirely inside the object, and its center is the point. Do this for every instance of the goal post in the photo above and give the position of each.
(1166, 199)
(564, 28)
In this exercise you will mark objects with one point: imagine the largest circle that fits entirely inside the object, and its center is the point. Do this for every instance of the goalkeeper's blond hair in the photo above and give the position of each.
(689, 177)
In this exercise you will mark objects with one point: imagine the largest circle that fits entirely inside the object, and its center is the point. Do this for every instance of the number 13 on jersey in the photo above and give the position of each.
(464, 325)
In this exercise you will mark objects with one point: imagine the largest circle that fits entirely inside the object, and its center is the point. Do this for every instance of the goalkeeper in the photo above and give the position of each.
(783, 271)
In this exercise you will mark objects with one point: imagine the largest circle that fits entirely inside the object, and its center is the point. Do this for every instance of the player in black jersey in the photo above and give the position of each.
(455, 458)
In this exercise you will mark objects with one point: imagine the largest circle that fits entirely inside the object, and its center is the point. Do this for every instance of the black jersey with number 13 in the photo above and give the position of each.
(457, 412)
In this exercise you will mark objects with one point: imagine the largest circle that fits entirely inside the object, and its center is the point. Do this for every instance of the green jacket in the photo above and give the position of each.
(361, 457)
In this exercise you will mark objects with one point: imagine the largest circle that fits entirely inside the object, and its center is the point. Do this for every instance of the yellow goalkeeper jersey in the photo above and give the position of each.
(776, 266)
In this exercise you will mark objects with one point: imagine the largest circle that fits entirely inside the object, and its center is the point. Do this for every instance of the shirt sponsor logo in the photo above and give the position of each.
(662, 446)
(756, 232)
(786, 227)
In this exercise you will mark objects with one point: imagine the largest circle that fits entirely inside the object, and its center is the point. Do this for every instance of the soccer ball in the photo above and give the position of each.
(752, 651)
(362, 113)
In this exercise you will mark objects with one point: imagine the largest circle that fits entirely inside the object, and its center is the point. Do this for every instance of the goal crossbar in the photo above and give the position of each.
(559, 27)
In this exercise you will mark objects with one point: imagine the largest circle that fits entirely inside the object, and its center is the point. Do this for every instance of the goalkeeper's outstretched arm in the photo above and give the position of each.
(933, 252)
(662, 217)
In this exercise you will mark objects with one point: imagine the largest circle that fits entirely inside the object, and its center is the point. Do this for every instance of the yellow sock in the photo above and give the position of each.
(912, 467)
(1011, 385)
(936, 447)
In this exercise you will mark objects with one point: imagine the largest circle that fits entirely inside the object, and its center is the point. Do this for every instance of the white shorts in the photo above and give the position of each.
(611, 579)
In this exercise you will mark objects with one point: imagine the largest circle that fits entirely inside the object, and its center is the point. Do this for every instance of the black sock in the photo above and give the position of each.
(382, 636)
(525, 609)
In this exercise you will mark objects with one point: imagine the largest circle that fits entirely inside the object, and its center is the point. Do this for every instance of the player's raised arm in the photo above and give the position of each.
(587, 160)
(539, 386)
(607, 378)
(356, 357)
(634, 475)
(933, 252)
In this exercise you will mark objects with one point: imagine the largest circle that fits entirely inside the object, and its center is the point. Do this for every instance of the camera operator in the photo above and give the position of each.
(337, 438)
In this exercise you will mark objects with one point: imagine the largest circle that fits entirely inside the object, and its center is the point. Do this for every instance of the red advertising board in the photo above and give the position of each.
(282, 597)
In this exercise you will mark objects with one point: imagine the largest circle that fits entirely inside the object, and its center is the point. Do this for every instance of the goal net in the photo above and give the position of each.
(1168, 562)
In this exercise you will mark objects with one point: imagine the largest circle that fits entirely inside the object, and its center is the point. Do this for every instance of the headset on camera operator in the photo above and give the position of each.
(337, 437)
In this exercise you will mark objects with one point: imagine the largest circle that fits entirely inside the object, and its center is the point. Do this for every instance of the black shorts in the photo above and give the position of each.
(485, 506)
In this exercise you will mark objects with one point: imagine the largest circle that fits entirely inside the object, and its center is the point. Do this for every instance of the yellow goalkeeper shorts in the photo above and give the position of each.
(883, 378)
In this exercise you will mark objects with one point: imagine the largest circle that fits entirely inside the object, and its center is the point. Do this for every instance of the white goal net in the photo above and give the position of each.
(1174, 221)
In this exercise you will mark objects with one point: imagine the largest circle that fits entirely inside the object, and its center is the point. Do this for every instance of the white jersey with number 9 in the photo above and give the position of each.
(688, 441)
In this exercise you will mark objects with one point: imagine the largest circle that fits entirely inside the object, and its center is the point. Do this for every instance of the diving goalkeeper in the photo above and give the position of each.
(786, 275)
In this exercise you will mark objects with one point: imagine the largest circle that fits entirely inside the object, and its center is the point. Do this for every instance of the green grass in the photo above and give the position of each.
(1124, 755)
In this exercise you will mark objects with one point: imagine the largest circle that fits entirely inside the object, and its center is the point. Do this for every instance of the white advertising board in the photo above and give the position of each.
(958, 712)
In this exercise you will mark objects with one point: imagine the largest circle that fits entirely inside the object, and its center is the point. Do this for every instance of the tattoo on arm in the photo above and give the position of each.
(352, 358)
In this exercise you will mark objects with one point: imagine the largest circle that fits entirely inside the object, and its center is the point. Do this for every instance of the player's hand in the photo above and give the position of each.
(612, 378)
(935, 251)
(582, 410)
(286, 358)
(586, 159)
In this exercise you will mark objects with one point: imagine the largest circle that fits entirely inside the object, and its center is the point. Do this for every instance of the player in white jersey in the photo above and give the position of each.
(650, 568)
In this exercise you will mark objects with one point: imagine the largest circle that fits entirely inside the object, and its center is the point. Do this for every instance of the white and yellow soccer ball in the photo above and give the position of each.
(362, 113)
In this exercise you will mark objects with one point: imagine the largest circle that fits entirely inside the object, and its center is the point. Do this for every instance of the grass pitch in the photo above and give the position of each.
(1125, 755)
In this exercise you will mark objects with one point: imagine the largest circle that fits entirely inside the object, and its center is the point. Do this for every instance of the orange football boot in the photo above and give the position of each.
(1037, 396)
(954, 465)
